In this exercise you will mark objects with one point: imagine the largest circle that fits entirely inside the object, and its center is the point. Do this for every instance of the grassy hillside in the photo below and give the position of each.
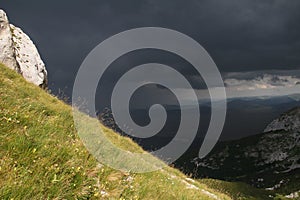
(41, 156)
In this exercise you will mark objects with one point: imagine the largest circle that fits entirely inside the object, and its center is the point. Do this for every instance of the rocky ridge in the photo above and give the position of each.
(270, 160)
(288, 121)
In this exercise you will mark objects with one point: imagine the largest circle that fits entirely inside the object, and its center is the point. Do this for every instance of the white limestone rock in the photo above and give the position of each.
(18, 52)
(28, 58)
(7, 54)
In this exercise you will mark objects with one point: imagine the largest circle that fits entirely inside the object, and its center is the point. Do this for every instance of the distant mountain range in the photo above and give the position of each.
(242, 113)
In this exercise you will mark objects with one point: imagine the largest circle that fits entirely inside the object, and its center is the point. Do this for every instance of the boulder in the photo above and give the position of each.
(7, 52)
(18, 52)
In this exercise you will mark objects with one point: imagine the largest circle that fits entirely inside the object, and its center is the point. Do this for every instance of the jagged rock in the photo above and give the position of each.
(19, 53)
(289, 122)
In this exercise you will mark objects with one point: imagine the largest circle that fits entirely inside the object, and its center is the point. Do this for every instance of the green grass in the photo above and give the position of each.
(42, 157)
(241, 191)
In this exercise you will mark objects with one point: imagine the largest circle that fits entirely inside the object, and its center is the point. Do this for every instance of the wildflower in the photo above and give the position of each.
(103, 193)
(96, 194)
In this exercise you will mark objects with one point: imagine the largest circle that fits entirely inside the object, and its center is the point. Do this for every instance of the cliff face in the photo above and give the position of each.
(19, 53)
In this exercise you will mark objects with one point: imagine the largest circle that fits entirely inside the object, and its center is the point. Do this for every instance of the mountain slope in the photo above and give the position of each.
(42, 157)
(270, 160)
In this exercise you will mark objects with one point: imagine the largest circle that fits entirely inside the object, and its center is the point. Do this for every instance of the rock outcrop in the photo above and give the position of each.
(268, 160)
(7, 53)
(19, 53)
(289, 122)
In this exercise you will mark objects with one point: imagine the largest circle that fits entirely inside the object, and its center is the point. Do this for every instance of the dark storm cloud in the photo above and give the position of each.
(240, 35)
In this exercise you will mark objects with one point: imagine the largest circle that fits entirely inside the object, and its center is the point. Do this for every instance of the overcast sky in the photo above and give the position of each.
(240, 35)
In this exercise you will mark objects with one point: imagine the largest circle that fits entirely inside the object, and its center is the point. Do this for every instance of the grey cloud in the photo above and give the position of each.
(240, 35)
(253, 84)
